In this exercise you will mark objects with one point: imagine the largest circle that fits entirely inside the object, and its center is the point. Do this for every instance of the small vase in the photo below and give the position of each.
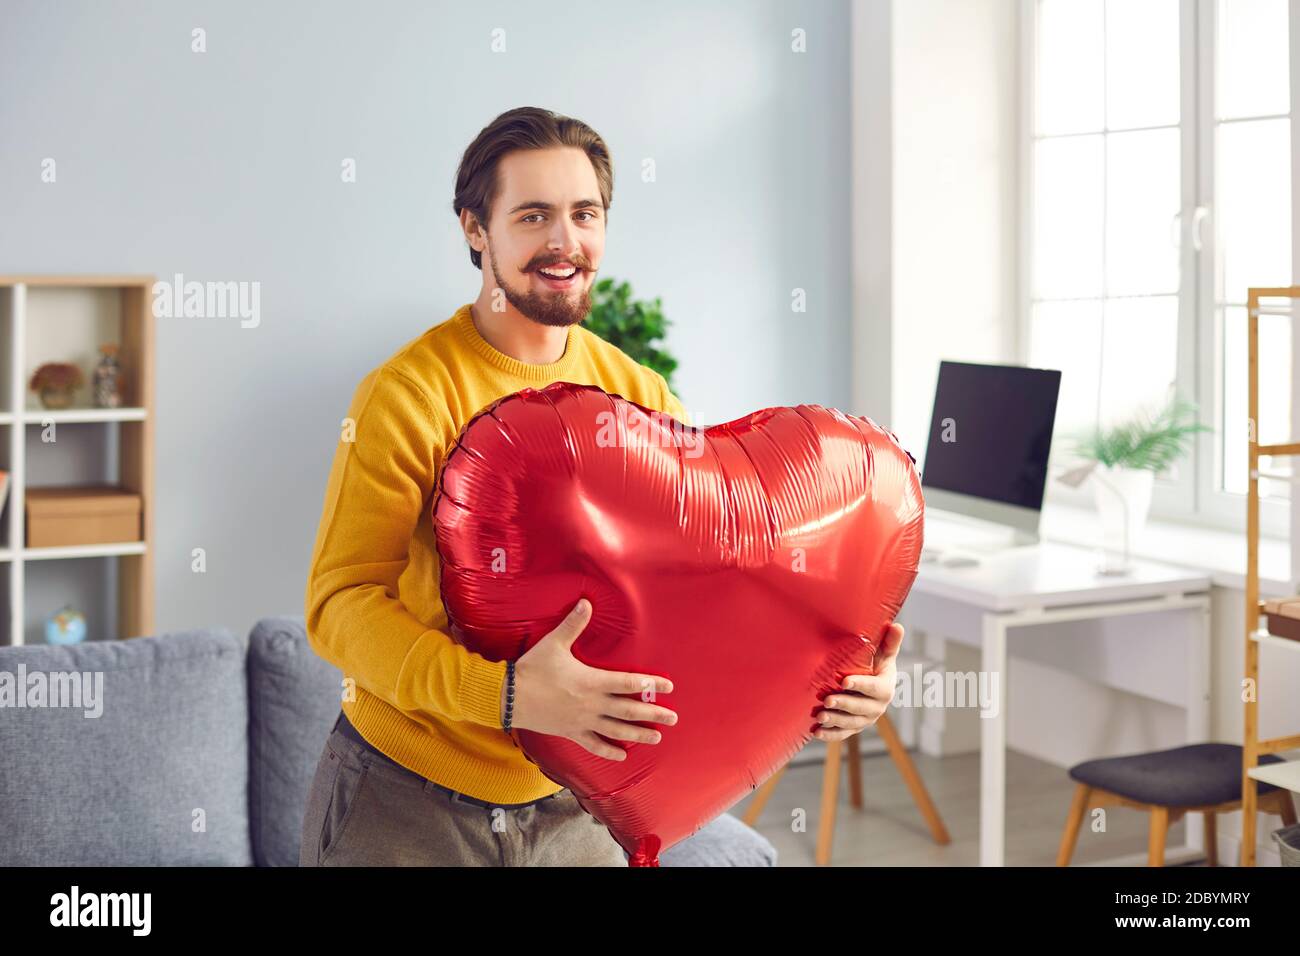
(107, 378)
(56, 397)
(1123, 497)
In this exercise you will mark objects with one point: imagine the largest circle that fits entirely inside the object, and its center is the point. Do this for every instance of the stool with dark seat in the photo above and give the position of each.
(1197, 778)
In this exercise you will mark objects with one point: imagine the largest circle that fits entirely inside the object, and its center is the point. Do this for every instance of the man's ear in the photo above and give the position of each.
(475, 234)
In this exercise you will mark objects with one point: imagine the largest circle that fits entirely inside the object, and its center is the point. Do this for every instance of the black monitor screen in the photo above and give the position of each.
(991, 432)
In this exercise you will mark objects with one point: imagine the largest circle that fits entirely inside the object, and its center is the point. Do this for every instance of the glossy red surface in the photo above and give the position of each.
(754, 563)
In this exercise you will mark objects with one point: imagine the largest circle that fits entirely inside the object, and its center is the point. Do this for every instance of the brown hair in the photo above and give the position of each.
(526, 127)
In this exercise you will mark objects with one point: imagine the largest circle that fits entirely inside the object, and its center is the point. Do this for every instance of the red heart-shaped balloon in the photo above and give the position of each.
(755, 564)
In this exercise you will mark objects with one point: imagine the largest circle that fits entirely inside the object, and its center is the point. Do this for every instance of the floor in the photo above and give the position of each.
(889, 830)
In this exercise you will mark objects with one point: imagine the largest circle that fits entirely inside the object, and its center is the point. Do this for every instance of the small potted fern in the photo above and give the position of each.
(1123, 461)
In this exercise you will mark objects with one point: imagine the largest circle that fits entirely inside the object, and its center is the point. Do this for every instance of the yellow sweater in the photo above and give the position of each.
(372, 603)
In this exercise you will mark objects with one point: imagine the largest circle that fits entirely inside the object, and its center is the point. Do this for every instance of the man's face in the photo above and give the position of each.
(547, 214)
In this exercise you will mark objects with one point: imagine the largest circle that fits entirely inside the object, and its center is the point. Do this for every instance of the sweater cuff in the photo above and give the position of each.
(480, 690)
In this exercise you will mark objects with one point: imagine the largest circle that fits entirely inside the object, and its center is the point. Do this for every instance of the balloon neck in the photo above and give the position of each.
(643, 858)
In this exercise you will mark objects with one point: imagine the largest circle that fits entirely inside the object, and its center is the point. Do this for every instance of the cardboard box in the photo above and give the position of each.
(81, 514)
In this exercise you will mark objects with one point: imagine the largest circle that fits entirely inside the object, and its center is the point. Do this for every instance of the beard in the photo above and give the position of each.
(546, 308)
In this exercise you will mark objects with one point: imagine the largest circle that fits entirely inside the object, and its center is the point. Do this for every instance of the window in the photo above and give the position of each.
(1159, 151)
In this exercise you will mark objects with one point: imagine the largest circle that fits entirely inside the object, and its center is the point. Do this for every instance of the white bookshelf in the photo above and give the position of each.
(66, 318)
(83, 415)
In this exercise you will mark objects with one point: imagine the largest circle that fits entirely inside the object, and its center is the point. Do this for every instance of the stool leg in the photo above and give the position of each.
(1078, 807)
(1156, 839)
(830, 793)
(855, 771)
(1286, 807)
(1211, 840)
(761, 795)
(920, 796)
(1278, 802)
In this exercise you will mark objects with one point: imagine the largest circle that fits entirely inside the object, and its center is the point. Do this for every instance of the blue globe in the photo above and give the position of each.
(68, 626)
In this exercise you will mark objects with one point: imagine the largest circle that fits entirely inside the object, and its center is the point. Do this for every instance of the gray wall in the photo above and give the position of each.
(225, 166)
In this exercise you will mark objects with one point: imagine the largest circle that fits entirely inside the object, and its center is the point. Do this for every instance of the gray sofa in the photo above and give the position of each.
(202, 755)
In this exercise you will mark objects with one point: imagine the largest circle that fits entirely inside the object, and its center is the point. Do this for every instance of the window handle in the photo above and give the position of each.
(1198, 218)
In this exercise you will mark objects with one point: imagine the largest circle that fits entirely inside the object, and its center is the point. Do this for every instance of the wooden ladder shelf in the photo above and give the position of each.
(1254, 746)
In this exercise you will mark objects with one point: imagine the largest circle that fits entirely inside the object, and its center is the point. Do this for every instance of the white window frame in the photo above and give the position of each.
(1193, 496)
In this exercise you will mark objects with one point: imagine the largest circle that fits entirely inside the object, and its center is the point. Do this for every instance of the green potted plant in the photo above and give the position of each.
(633, 325)
(1123, 461)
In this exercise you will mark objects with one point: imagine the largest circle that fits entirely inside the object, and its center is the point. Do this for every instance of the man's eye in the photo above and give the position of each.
(587, 212)
(530, 216)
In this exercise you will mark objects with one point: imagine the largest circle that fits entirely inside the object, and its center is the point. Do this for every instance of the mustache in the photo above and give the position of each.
(579, 263)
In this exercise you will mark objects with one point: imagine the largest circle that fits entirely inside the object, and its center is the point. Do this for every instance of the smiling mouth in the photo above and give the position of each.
(560, 283)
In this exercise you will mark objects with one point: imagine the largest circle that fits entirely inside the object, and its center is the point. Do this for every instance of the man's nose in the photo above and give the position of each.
(563, 237)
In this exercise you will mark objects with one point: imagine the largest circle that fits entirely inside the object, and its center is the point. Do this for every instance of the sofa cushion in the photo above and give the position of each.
(724, 841)
(158, 778)
(293, 700)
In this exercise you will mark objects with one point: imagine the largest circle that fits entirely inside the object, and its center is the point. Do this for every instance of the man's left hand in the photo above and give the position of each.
(864, 697)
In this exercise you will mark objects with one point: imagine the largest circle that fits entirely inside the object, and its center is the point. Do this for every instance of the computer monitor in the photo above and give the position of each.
(990, 434)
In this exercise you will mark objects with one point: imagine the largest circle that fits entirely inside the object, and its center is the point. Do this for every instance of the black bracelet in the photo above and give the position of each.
(510, 695)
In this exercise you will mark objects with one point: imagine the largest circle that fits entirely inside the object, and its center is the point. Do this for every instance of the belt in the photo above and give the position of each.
(345, 727)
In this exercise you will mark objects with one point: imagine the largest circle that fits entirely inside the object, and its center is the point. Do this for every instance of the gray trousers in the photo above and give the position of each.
(365, 809)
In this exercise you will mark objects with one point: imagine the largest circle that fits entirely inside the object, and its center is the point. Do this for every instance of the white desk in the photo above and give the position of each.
(1024, 589)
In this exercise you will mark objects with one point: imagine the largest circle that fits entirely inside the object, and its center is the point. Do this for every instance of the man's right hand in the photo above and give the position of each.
(555, 693)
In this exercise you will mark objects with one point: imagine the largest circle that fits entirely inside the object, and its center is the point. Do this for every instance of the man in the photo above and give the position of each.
(418, 769)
